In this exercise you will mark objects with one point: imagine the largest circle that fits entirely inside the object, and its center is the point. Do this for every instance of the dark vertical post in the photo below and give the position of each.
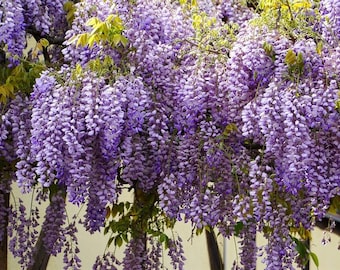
(307, 266)
(215, 258)
(3, 243)
(41, 256)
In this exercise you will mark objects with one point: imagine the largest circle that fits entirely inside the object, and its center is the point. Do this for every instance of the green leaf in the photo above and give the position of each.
(268, 48)
(337, 105)
(93, 21)
(79, 70)
(315, 259)
(118, 241)
(196, 21)
(125, 237)
(290, 57)
(70, 16)
(127, 204)
(110, 241)
(6, 91)
(113, 226)
(72, 40)
(267, 229)
(44, 42)
(163, 238)
(194, 3)
(319, 47)
(68, 6)
(208, 228)
(110, 18)
(116, 39)
(199, 231)
(300, 63)
(230, 128)
(93, 39)
(99, 28)
(120, 208)
(300, 247)
(334, 207)
(117, 24)
(82, 41)
(299, 60)
(114, 210)
(124, 41)
(238, 228)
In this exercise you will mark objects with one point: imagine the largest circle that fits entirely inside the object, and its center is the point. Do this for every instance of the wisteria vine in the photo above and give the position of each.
(224, 114)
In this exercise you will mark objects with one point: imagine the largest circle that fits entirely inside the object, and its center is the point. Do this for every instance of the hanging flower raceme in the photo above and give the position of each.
(330, 10)
(12, 28)
(224, 126)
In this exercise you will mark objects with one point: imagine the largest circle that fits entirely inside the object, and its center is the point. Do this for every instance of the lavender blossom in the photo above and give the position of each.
(107, 262)
(12, 28)
(176, 253)
(53, 226)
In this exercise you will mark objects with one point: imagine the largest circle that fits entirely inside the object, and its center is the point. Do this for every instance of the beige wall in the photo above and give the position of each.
(195, 249)
(328, 255)
(93, 245)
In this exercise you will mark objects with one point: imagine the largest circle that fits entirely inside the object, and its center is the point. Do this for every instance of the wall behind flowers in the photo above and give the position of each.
(195, 249)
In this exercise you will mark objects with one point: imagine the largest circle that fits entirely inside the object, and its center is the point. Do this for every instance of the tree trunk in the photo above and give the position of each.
(41, 257)
(215, 258)
(3, 244)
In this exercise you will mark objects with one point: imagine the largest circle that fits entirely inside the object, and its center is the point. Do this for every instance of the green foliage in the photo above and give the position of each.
(188, 4)
(302, 232)
(105, 33)
(238, 228)
(314, 258)
(268, 48)
(230, 129)
(302, 247)
(20, 78)
(293, 18)
(126, 220)
(295, 64)
(211, 38)
(337, 104)
(108, 32)
(70, 9)
(105, 67)
(334, 207)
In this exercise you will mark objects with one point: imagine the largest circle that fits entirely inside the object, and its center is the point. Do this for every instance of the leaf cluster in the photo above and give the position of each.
(293, 18)
(302, 247)
(334, 207)
(126, 220)
(108, 32)
(295, 64)
(211, 37)
(20, 78)
(337, 103)
(69, 8)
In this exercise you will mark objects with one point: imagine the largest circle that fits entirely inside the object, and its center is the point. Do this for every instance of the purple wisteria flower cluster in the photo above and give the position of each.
(54, 221)
(236, 130)
(12, 26)
(38, 18)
